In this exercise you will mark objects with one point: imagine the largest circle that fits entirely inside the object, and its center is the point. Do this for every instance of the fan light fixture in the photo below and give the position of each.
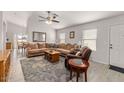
(51, 18)
(48, 22)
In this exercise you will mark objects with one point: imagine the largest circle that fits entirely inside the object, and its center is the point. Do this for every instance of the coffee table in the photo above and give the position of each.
(52, 55)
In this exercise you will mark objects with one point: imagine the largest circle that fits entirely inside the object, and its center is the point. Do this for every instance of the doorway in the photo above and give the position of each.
(117, 46)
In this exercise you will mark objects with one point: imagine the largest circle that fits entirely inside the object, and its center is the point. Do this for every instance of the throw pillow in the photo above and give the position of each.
(78, 53)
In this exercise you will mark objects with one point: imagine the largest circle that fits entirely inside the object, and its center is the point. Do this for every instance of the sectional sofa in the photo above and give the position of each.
(36, 49)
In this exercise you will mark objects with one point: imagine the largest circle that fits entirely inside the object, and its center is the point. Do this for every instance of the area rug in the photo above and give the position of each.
(37, 69)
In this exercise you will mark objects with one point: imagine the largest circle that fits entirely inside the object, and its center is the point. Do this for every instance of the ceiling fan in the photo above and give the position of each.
(50, 18)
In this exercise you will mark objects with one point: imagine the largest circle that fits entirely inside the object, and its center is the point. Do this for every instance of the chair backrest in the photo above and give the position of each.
(86, 53)
(83, 49)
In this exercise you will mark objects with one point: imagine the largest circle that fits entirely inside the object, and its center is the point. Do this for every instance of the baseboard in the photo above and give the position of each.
(116, 68)
(99, 61)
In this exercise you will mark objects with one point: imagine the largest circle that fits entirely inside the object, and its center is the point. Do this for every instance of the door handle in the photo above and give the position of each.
(110, 46)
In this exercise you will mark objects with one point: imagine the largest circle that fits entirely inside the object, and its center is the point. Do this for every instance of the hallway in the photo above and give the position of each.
(16, 74)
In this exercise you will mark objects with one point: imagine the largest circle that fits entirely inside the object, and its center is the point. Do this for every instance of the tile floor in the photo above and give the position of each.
(96, 73)
(16, 74)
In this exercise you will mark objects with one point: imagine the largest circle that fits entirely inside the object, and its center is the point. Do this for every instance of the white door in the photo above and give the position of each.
(117, 46)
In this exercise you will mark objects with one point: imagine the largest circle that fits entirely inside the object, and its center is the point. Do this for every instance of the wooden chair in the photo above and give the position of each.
(80, 65)
(73, 56)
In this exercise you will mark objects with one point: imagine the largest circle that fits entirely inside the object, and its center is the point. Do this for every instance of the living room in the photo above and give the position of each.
(61, 46)
(33, 41)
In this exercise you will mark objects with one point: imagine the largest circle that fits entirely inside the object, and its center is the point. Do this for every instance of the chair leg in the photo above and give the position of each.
(70, 74)
(85, 76)
(77, 76)
(66, 62)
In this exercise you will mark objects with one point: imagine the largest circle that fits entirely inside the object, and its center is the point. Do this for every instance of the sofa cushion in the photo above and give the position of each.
(44, 49)
(33, 45)
(41, 45)
(56, 45)
(78, 53)
(69, 47)
(76, 46)
(32, 51)
(47, 45)
(62, 45)
(63, 50)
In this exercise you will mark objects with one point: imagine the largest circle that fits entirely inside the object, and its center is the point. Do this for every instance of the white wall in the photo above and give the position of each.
(14, 29)
(4, 28)
(17, 17)
(101, 54)
(35, 25)
(1, 32)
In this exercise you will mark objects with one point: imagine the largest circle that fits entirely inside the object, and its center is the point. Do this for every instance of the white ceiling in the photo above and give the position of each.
(67, 18)
(17, 17)
(75, 18)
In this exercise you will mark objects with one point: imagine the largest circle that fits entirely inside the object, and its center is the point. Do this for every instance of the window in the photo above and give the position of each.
(62, 38)
(89, 38)
(22, 38)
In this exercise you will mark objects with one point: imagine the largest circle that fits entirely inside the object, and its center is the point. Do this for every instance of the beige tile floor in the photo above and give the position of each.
(16, 74)
(96, 73)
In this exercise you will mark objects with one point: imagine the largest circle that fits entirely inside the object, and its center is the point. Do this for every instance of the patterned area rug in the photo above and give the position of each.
(37, 69)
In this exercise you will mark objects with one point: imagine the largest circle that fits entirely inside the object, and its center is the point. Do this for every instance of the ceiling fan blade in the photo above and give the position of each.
(42, 17)
(48, 12)
(55, 21)
(41, 20)
(55, 15)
